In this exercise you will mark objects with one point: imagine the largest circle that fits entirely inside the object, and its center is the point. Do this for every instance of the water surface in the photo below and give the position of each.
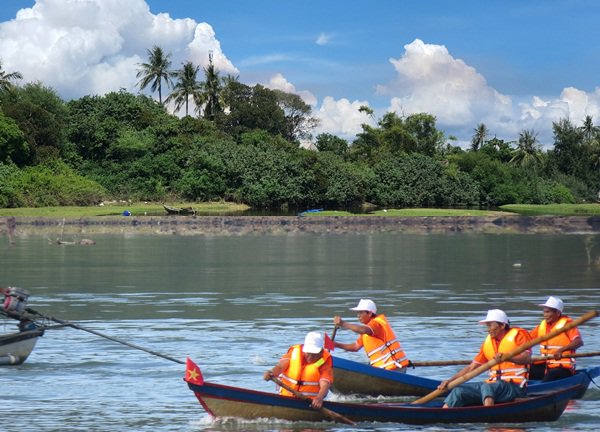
(235, 303)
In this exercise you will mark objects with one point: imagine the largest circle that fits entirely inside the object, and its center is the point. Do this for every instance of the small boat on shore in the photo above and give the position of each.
(358, 378)
(221, 401)
(183, 211)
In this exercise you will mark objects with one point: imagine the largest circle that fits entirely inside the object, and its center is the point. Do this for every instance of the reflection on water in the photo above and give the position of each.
(235, 304)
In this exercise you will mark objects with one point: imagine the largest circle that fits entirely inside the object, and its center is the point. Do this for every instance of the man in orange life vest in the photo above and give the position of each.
(555, 366)
(507, 380)
(376, 336)
(306, 368)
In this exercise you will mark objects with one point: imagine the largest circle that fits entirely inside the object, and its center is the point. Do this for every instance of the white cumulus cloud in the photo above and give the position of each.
(81, 47)
(341, 117)
(429, 79)
(279, 82)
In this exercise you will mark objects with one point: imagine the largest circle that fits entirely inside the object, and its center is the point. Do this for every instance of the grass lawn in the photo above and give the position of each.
(592, 209)
(412, 212)
(116, 209)
(222, 208)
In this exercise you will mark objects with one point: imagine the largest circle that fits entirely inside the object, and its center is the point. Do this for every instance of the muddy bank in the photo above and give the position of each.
(55, 228)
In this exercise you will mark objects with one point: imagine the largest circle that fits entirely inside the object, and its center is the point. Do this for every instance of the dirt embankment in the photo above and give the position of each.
(240, 225)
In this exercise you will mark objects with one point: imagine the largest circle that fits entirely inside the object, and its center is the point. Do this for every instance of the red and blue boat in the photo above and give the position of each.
(224, 401)
(358, 378)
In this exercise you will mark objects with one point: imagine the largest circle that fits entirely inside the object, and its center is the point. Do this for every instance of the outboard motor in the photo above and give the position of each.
(15, 301)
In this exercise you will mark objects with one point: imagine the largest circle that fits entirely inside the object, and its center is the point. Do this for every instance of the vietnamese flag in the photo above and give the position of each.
(328, 343)
(192, 373)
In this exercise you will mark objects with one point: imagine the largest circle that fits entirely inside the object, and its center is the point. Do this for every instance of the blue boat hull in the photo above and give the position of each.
(357, 378)
(221, 401)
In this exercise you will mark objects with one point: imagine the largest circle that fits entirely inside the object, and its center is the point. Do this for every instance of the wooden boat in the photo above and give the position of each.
(16, 347)
(226, 401)
(357, 378)
(184, 211)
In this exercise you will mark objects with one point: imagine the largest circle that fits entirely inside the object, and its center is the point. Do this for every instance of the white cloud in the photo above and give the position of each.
(338, 117)
(323, 39)
(81, 47)
(279, 82)
(429, 79)
(341, 117)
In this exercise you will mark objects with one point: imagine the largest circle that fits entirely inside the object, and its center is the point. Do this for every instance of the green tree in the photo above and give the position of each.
(155, 71)
(416, 133)
(210, 98)
(186, 87)
(95, 122)
(251, 108)
(568, 154)
(479, 137)
(6, 79)
(298, 119)
(338, 183)
(13, 145)
(528, 151)
(590, 132)
(330, 143)
(41, 114)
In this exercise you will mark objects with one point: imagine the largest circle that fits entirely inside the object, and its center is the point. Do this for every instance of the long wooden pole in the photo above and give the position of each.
(466, 362)
(326, 411)
(507, 356)
(114, 339)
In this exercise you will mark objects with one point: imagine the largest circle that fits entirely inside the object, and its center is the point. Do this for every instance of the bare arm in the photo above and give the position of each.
(324, 386)
(277, 369)
(353, 347)
(523, 358)
(468, 368)
(356, 328)
(575, 343)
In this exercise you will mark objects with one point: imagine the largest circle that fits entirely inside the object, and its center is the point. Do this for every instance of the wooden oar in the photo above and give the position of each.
(506, 357)
(114, 339)
(466, 362)
(331, 414)
(335, 329)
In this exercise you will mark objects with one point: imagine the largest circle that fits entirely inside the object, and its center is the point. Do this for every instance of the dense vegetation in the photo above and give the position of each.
(243, 143)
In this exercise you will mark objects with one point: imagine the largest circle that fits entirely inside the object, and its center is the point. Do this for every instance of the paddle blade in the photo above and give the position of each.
(192, 373)
(328, 343)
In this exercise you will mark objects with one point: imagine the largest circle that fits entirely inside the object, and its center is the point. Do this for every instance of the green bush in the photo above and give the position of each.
(50, 184)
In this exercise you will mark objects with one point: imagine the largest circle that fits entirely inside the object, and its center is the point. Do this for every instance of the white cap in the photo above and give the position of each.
(495, 315)
(313, 343)
(554, 303)
(365, 305)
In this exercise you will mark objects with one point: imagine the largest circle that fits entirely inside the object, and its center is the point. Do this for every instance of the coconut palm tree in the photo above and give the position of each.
(210, 100)
(590, 132)
(185, 87)
(480, 137)
(6, 79)
(528, 150)
(155, 71)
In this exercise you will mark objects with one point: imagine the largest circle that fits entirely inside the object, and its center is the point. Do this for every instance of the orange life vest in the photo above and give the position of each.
(387, 353)
(303, 377)
(547, 348)
(506, 371)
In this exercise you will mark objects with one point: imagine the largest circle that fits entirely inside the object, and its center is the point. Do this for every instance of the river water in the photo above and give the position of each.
(235, 303)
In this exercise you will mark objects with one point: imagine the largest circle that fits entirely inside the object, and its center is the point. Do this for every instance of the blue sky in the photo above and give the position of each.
(510, 64)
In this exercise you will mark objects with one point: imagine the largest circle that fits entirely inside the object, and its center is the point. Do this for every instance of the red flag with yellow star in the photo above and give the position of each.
(192, 373)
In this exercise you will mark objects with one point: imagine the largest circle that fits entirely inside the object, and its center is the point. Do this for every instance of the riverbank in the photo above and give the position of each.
(69, 229)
